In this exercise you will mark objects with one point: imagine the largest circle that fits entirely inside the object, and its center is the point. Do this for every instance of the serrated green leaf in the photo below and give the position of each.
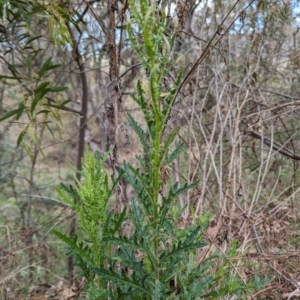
(169, 100)
(78, 247)
(186, 245)
(186, 187)
(62, 190)
(123, 240)
(138, 216)
(140, 132)
(167, 143)
(127, 258)
(121, 279)
(140, 184)
(148, 113)
(164, 211)
(118, 223)
(174, 154)
(158, 291)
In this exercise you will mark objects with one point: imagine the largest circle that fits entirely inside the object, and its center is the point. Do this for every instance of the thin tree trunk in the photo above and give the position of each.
(84, 106)
(113, 102)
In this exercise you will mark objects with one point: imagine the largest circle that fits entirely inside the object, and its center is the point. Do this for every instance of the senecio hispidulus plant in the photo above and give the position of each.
(165, 267)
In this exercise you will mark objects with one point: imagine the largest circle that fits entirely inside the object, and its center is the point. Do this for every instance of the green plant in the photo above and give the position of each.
(38, 108)
(90, 206)
(156, 260)
(37, 94)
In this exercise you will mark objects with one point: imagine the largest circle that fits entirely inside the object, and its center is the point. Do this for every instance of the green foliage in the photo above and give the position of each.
(129, 275)
(39, 106)
(36, 109)
(154, 259)
(89, 201)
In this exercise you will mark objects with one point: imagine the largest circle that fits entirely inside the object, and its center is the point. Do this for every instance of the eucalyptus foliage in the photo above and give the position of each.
(39, 103)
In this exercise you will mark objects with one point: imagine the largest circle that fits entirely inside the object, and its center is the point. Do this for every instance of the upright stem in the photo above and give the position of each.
(155, 203)
(157, 146)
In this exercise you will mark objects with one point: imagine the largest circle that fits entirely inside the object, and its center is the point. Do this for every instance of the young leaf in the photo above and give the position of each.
(174, 154)
(21, 108)
(12, 113)
(187, 244)
(72, 242)
(62, 190)
(45, 67)
(21, 136)
(118, 222)
(158, 291)
(176, 192)
(38, 98)
(169, 140)
(122, 279)
(140, 132)
(41, 87)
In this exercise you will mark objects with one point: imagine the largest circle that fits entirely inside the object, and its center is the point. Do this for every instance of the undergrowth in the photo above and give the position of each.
(155, 259)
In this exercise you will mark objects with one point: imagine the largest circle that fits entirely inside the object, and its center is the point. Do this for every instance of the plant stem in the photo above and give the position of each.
(156, 182)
